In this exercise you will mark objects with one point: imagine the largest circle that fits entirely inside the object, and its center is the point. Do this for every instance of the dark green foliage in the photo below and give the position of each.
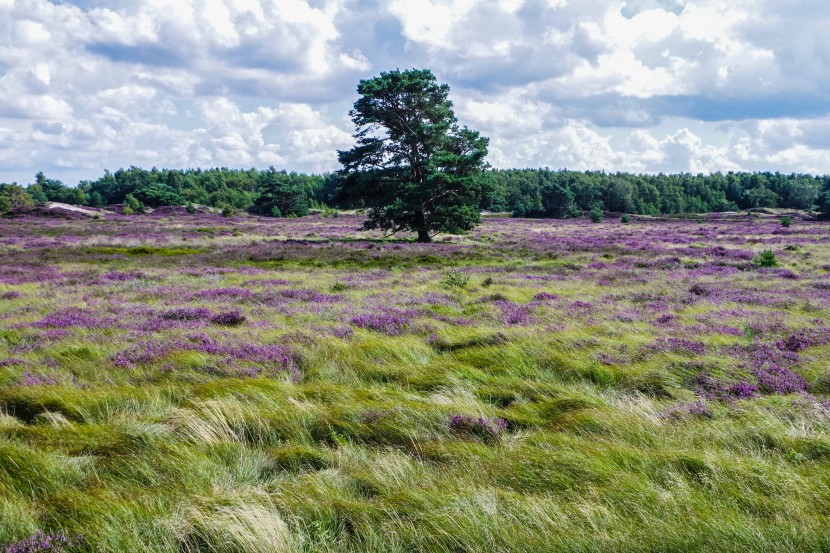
(132, 205)
(283, 194)
(766, 259)
(190, 208)
(157, 194)
(786, 221)
(596, 214)
(625, 218)
(454, 278)
(13, 196)
(524, 192)
(413, 167)
(227, 210)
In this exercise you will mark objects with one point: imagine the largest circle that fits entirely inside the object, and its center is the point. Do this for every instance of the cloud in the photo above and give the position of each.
(640, 85)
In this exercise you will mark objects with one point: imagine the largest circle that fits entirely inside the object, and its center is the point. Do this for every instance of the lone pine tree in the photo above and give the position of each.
(413, 167)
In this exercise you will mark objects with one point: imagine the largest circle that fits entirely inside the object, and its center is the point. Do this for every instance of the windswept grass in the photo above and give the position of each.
(247, 385)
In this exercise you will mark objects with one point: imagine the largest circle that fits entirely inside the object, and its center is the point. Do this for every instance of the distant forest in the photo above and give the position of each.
(523, 192)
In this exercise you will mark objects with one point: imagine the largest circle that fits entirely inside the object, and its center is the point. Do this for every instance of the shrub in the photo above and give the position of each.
(596, 214)
(190, 208)
(766, 259)
(455, 279)
(132, 205)
(625, 218)
(786, 221)
(227, 210)
(339, 287)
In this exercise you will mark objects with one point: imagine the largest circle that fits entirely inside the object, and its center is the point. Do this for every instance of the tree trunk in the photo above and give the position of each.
(423, 236)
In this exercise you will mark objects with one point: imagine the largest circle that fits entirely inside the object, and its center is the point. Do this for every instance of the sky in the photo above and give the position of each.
(643, 86)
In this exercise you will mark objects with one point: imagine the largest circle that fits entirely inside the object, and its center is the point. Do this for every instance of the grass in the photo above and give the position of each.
(608, 350)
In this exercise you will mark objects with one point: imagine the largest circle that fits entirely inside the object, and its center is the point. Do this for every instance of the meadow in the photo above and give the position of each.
(190, 382)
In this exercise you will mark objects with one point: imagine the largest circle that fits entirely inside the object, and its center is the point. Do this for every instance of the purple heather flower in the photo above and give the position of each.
(743, 390)
(217, 293)
(697, 408)
(478, 426)
(187, 314)
(677, 345)
(228, 318)
(389, 321)
(41, 542)
(778, 380)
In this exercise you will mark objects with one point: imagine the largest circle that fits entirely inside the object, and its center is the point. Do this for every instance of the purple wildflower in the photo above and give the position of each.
(217, 293)
(34, 379)
(187, 314)
(680, 410)
(677, 345)
(310, 296)
(743, 390)
(119, 276)
(389, 321)
(779, 380)
(72, 316)
(228, 318)
(42, 542)
(478, 426)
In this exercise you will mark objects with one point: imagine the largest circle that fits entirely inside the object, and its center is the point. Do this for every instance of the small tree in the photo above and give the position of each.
(596, 214)
(13, 196)
(413, 167)
(132, 205)
(281, 195)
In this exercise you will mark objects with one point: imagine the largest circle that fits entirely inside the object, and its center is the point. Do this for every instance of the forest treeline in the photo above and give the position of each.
(523, 192)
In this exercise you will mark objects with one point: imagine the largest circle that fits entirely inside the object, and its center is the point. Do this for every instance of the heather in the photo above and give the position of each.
(182, 381)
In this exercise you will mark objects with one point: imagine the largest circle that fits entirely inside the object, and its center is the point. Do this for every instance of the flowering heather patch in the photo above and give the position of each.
(309, 296)
(35, 379)
(514, 314)
(778, 380)
(278, 356)
(545, 296)
(343, 332)
(797, 341)
(269, 282)
(13, 295)
(228, 318)
(743, 390)
(74, 316)
(482, 427)
(122, 276)
(141, 353)
(220, 293)
(391, 322)
(684, 409)
(187, 314)
(41, 542)
(677, 345)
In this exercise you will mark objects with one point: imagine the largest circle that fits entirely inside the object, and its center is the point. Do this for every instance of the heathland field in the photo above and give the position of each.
(189, 382)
